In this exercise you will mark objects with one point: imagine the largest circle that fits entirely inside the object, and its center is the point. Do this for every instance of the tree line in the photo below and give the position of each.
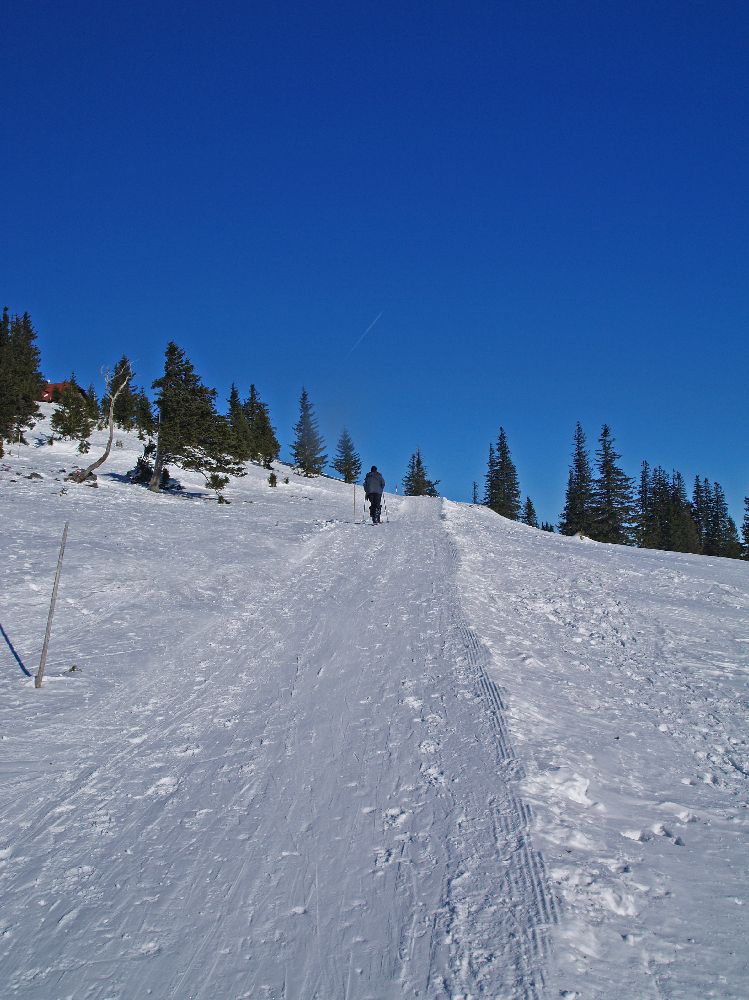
(603, 503)
(183, 426)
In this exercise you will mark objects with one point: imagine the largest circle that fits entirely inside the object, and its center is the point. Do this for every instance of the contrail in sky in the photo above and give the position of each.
(364, 334)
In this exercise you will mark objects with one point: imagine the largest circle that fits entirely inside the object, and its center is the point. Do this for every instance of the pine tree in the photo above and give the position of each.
(241, 436)
(529, 513)
(264, 445)
(92, 405)
(347, 462)
(502, 487)
(308, 446)
(126, 404)
(701, 503)
(21, 382)
(722, 534)
(490, 480)
(683, 534)
(144, 419)
(643, 510)
(745, 528)
(578, 513)
(546, 526)
(612, 496)
(72, 418)
(190, 431)
(475, 494)
(416, 483)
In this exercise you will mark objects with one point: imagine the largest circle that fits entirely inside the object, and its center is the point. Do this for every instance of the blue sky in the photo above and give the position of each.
(546, 203)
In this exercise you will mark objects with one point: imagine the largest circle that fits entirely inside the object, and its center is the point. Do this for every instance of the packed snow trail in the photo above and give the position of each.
(317, 799)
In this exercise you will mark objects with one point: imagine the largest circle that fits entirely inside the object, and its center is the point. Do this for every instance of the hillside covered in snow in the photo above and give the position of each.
(305, 757)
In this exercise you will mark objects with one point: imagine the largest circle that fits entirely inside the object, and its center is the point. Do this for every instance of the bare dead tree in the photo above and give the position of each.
(83, 475)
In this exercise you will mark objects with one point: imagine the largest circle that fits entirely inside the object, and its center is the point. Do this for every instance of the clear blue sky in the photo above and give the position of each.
(546, 201)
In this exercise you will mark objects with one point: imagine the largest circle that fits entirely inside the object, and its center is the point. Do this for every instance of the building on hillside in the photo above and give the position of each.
(53, 390)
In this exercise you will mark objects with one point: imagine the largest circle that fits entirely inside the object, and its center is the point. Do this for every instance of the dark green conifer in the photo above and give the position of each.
(416, 482)
(347, 462)
(578, 512)
(126, 404)
(21, 382)
(502, 487)
(264, 445)
(612, 496)
(308, 446)
(144, 418)
(546, 526)
(241, 436)
(72, 418)
(745, 529)
(475, 494)
(190, 431)
(529, 513)
(490, 480)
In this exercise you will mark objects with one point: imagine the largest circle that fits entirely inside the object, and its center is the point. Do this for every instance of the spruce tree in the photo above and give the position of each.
(475, 494)
(264, 445)
(546, 526)
(92, 405)
(507, 499)
(578, 512)
(308, 446)
(21, 382)
(72, 418)
(347, 462)
(144, 418)
(745, 529)
(683, 534)
(490, 480)
(190, 431)
(529, 513)
(416, 482)
(126, 404)
(240, 437)
(612, 496)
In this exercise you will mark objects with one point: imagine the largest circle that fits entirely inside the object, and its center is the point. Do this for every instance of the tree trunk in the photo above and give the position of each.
(158, 466)
(81, 475)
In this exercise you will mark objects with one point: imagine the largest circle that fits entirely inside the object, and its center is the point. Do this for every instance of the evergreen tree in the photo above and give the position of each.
(347, 462)
(475, 494)
(144, 419)
(502, 487)
(72, 418)
(490, 480)
(190, 431)
(612, 496)
(126, 404)
(308, 446)
(241, 436)
(701, 504)
(683, 533)
(92, 405)
(578, 513)
(722, 537)
(745, 528)
(546, 526)
(264, 445)
(21, 382)
(643, 510)
(416, 483)
(529, 513)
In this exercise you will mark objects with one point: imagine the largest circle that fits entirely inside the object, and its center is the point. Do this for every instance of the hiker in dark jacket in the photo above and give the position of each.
(374, 487)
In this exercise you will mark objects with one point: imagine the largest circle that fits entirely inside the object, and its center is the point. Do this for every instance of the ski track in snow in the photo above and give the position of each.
(308, 759)
(626, 675)
(298, 784)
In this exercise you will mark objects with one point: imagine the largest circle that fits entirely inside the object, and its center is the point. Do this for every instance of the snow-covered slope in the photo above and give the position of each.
(304, 757)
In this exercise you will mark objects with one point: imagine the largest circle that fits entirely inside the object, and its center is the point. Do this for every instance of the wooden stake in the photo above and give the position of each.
(40, 672)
